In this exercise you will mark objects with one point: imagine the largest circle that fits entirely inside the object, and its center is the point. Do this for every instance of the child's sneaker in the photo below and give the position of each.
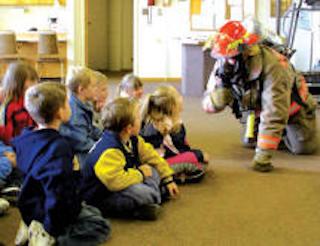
(11, 193)
(165, 194)
(38, 236)
(4, 206)
(147, 212)
(22, 234)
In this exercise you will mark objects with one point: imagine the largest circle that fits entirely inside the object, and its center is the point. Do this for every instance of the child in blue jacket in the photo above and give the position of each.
(79, 130)
(49, 203)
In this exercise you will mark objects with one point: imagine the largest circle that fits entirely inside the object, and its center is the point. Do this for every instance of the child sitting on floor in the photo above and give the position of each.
(13, 118)
(163, 128)
(130, 86)
(124, 175)
(49, 203)
(79, 130)
(100, 98)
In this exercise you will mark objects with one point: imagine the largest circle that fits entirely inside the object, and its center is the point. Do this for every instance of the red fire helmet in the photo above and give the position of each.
(227, 41)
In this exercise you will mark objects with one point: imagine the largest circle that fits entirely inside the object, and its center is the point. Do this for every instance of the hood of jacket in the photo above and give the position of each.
(32, 144)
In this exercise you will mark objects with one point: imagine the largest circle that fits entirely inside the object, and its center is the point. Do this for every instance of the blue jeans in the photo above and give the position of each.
(127, 200)
(5, 164)
(89, 229)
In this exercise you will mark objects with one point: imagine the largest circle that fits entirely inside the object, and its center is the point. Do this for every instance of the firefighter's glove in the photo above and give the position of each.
(262, 160)
(219, 98)
(207, 104)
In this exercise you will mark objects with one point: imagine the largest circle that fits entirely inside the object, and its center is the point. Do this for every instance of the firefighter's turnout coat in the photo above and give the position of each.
(279, 96)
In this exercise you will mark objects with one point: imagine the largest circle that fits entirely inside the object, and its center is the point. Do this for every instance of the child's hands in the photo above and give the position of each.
(164, 126)
(12, 158)
(161, 151)
(173, 189)
(206, 157)
(99, 103)
(146, 170)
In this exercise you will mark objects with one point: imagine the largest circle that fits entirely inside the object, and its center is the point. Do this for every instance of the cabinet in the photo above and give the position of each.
(196, 68)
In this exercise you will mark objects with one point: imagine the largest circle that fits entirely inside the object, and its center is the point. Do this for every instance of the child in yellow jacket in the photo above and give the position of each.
(123, 174)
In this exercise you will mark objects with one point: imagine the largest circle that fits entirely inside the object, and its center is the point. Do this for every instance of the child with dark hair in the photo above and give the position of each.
(123, 174)
(49, 204)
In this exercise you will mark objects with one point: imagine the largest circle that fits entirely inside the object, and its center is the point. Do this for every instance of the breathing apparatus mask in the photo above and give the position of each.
(233, 74)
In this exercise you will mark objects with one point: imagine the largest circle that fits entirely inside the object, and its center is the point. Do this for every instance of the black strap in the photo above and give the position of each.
(295, 96)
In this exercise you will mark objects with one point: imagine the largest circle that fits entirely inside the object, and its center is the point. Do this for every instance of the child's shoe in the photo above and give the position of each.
(22, 235)
(11, 193)
(165, 194)
(4, 206)
(147, 212)
(38, 236)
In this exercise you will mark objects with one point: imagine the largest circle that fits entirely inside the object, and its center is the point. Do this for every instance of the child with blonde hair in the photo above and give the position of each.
(13, 118)
(124, 175)
(100, 98)
(130, 86)
(79, 130)
(49, 203)
(163, 128)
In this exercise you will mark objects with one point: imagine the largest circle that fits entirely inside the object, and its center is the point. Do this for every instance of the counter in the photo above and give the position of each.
(196, 68)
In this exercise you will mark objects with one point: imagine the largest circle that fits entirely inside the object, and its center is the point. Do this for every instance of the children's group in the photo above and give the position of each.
(72, 158)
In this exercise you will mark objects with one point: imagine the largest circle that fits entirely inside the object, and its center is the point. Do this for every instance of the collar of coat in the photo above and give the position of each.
(253, 57)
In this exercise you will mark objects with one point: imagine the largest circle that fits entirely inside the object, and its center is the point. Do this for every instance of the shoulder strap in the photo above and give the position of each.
(295, 96)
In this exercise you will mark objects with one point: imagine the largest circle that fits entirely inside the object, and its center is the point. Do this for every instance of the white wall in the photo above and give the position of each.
(75, 14)
(158, 44)
(22, 18)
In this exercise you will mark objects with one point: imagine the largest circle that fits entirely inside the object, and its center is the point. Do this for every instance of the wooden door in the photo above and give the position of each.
(96, 34)
(109, 34)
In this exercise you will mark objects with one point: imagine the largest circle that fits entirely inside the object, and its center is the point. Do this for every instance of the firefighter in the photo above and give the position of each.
(265, 92)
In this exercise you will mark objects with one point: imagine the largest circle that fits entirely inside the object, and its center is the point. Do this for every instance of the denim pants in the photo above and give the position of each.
(122, 203)
(90, 229)
(5, 165)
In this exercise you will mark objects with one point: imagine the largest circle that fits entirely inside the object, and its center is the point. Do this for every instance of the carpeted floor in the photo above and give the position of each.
(233, 206)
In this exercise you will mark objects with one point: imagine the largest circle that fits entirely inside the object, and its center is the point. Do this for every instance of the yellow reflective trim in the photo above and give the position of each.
(236, 43)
